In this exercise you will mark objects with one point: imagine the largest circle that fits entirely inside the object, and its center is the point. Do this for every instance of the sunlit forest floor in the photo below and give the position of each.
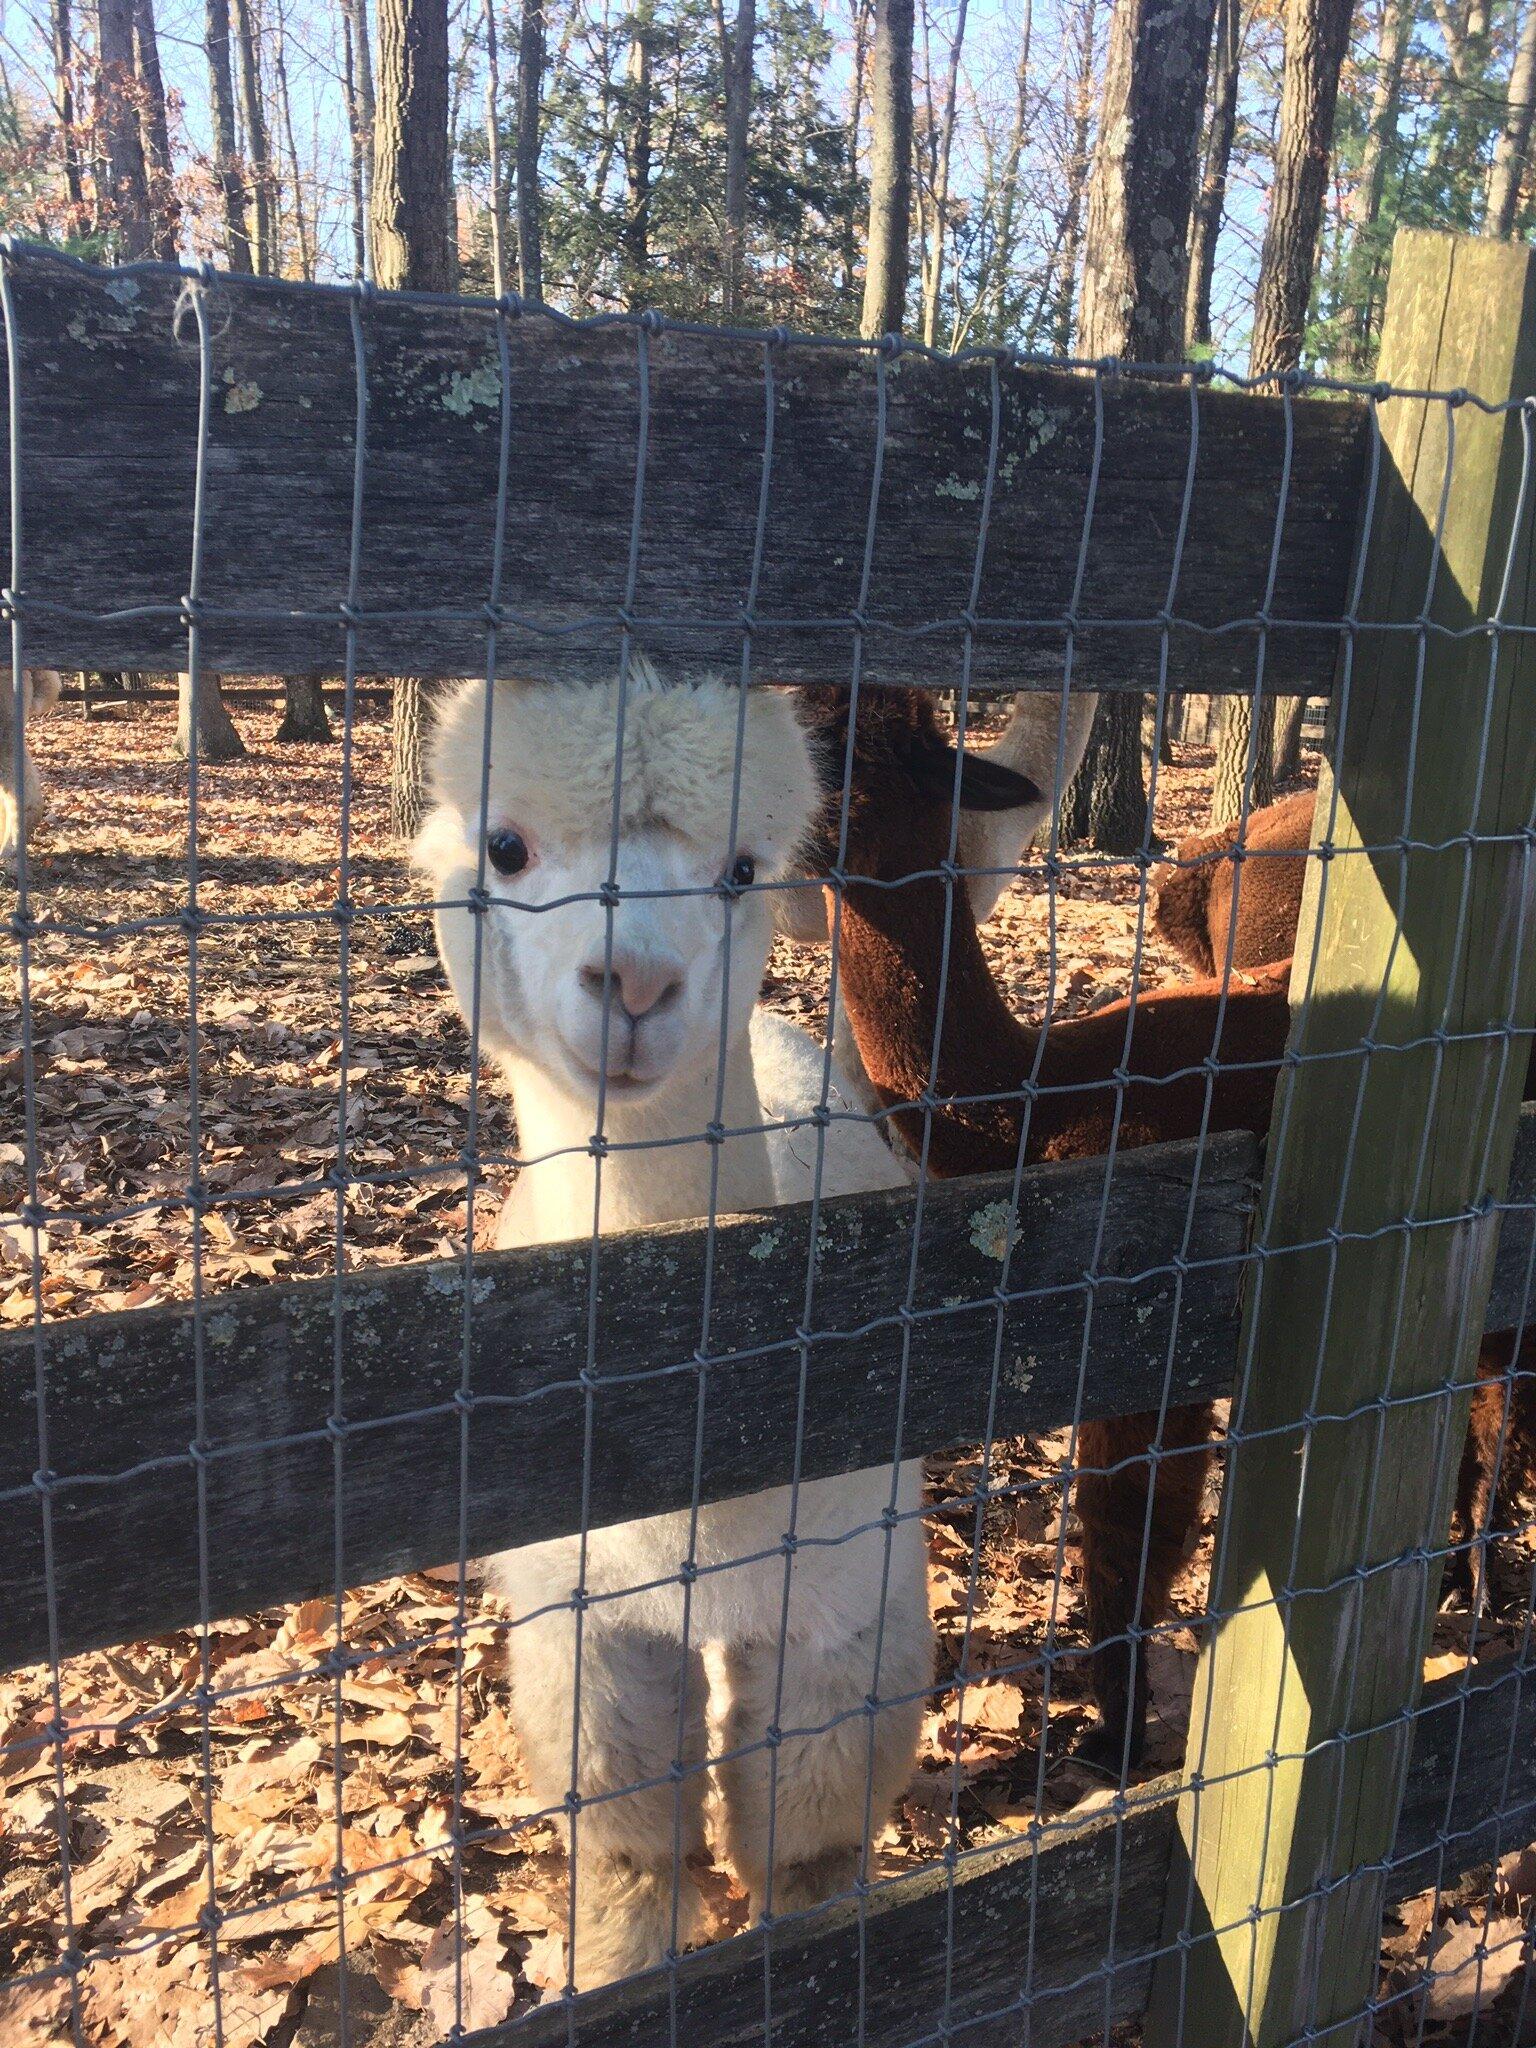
(255, 1800)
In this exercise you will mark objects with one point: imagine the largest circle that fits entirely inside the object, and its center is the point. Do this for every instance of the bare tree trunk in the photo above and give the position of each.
(530, 115)
(1134, 285)
(155, 136)
(204, 709)
(738, 123)
(263, 252)
(410, 730)
(1316, 36)
(638, 114)
(933, 280)
(890, 172)
(1008, 196)
(1288, 740)
(1062, 293)
(1512, 150)
(862, 14)
(1210, 205)
(61, 35)
(285, 111)
(493, 152)
(1244, 762)
(411, 249)
(226, 149)
(1366, 266)
(129, 214)
(355, 149)
(304, 713)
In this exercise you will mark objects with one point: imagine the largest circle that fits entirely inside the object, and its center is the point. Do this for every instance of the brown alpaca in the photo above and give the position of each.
(892, 941)
(1194, 912)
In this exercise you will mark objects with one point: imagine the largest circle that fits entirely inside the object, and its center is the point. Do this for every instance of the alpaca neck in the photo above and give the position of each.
(667, 1177)
(892, 950)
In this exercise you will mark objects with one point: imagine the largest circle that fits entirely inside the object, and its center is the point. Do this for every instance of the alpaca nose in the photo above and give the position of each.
(642, 983)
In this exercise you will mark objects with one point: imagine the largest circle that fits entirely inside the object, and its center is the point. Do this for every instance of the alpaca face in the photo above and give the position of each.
(609, 955)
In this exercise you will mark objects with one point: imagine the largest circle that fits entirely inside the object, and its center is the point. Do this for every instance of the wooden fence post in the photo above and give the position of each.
(1323, 1592)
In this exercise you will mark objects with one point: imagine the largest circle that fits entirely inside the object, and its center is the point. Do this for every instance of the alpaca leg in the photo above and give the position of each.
(811, 1803)
(1112, 1507)
(626, 1850)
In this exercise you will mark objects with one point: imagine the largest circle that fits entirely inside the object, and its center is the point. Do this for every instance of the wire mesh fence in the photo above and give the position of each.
(658, 1428)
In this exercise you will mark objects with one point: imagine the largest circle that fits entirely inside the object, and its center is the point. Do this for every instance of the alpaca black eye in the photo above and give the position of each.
(507, 852)
(744, 873)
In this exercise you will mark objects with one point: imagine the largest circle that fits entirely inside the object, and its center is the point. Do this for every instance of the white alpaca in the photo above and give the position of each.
(857, 1619)
(40, 691)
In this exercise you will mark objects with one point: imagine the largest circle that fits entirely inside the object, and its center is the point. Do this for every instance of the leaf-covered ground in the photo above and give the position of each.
(256, 1799)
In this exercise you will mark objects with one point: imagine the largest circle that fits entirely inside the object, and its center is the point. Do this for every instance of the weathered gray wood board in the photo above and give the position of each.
(121, 1389)
(109, 379)
(1047, 1947)
(122, 1411)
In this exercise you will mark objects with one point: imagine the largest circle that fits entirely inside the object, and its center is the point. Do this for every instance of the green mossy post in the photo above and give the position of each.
(1298, 1741)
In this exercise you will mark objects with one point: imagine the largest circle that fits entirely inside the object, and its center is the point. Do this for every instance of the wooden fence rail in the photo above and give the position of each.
(122, 1407)
(108, 371)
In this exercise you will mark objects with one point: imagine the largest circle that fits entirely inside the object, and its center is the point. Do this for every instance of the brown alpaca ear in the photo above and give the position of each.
(984, 785)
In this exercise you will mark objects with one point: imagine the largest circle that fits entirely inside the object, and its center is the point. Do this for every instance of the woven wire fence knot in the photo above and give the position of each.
(337, 1428)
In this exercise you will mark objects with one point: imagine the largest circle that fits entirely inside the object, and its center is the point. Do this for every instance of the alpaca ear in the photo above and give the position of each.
(985, 785)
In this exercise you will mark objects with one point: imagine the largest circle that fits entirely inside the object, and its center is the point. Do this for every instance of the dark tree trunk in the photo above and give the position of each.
(1210, 204)
(1139, 202)
(1288, 739)
(411, 185)
(355, 145)
(304, 713)
(890, 172)
(530, 115)
(410, 731)
(493, 151)
(62, 37)
(204, 707)
(263, 250)
(128, 213)
(226, 151)
(635, 233)
(165, 207)
(1316, 35)
(1133, 304)
(1366, 266)
(862, 17)
(738, 122)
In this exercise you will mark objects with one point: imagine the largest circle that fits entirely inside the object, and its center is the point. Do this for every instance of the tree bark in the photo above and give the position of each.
(1512, 150)
(493, 152)
(890, 172)
(355, 147)
(128, 215)
(411, 247)
(862, 14)
(304, 713)
(1288, 740)
(1243, 762)
(738, 123)
(637, 114)
(1134, 283)
(263, 251)
(1136, 254)
(155, 135)
(1062, 294)
(1366, 264)
(530, 116)
(226, 149)
(933, 280)
(62, 38)
(1316, 36)
(1210, 205)
(204, 708)
(410, 730)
